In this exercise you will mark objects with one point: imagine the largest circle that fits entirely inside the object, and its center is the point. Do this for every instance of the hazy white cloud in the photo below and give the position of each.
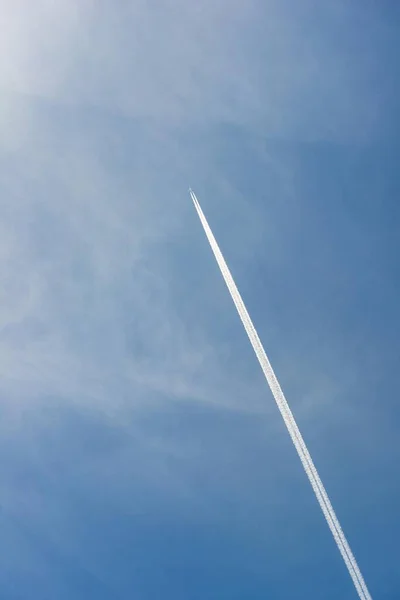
(293, 70)
(82, 288)
(108, 111)
(87, 309)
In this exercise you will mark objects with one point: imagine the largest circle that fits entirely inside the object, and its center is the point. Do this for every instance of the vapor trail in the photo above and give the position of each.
(287, 415)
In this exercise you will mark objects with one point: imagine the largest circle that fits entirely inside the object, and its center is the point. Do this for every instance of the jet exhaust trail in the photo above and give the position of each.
(294, 432)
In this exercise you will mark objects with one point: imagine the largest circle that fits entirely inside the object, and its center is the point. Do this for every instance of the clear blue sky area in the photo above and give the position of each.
(142, 454)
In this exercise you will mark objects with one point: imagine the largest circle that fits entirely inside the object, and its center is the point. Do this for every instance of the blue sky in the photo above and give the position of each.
(142, 454)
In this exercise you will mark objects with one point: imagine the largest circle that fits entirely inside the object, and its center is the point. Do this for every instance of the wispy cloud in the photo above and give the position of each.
(122, 366)
(293, 70)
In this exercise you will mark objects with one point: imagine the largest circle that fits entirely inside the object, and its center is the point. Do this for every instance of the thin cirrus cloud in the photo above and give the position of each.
(128, 394)
(290, 72)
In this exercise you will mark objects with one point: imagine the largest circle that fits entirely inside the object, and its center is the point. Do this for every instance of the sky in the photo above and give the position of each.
(142, 454)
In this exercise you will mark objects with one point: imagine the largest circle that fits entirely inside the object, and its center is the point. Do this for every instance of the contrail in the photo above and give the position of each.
(287, 415)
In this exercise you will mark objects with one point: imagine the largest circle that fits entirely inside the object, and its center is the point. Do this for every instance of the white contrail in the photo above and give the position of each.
(287, 415)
